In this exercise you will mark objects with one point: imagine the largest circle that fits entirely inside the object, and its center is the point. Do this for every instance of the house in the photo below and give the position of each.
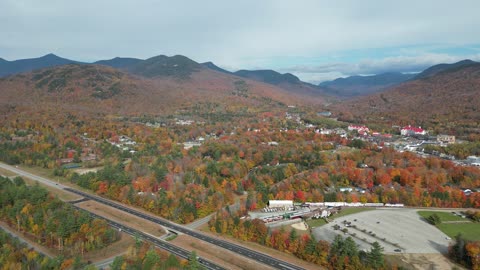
(445, 139)
(346, 189)
(410, 131)
(360, 129)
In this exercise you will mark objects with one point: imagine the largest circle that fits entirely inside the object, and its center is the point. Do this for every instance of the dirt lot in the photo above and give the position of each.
(123, 217)
(423, 261)
(403, 227)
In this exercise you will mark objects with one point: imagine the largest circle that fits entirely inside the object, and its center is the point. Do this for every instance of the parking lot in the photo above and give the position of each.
(397, 230)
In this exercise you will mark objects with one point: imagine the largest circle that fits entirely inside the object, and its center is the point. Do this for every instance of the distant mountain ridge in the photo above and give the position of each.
(212, 66)
(364, 85)
(436, 69)
(119, 62)
(178, 66)
(446, 101)
(25, 65)
(181, 67)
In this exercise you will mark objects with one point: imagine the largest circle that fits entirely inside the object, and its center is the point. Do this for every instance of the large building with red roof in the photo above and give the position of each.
(409, 131)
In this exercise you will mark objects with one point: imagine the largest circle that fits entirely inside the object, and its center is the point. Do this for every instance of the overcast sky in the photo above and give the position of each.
(315, 40)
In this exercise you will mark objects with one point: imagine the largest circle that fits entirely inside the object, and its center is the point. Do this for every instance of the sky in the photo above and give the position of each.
(316, 40)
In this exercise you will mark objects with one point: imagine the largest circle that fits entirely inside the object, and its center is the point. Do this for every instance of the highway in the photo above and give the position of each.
(238, 249)
(156, 241)
(251, 254)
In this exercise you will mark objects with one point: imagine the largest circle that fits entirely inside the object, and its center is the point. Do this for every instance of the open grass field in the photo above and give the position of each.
(469, 231)
(444, 216)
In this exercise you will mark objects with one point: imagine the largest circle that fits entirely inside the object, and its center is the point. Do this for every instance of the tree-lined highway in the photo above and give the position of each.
(251, 254)
(156, 241)
(235, 248)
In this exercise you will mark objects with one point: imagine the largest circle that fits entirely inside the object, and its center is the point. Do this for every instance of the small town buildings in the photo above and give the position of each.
(445, 139)
(346, 189)
(360, 129)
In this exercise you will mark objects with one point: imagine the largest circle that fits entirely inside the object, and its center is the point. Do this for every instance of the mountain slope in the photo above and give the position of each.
(24, 65)
(434, 70)
(447, 102)
(364, 85)
(268, 76)
(212, 66)
(119, 62)
(177, 66)
(286, 81)
(98, 89)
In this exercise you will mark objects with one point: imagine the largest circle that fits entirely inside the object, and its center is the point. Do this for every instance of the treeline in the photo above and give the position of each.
(467, 253)
(49, 221)
(146, 257)
(341, 254)
(459, 150)
(17, 255)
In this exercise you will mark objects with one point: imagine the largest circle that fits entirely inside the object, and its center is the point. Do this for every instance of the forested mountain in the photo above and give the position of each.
(119, 62)
(436, 69)
(447, 101)
(364, 85)
(102, 89)
(25, 65)
(212, 66)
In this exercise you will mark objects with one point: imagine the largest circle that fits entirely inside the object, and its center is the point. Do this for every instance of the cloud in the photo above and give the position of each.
(240, 34)
(403, 64)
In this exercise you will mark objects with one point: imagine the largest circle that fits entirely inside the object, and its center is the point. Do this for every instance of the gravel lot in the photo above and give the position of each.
(403, 227)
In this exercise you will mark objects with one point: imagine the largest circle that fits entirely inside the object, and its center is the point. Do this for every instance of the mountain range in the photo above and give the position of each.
(443, 95)
(363, 85)
(181, 67)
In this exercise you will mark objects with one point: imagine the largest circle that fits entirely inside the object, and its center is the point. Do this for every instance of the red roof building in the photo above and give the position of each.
(409, 131)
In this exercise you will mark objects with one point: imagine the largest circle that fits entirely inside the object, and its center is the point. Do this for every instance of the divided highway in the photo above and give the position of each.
(157, 242)
(251, 254)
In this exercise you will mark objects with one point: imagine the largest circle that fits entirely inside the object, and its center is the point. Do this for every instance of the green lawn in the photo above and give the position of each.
(316, 222)
(444, 216)
(469, 231)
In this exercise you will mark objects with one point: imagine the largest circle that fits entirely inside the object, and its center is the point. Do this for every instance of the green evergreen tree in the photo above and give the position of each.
(375, 256)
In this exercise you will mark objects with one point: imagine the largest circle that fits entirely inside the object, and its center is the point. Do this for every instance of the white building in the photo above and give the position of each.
(280, 203)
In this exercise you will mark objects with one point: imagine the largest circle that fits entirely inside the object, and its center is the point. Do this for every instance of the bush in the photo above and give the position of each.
(434, 219)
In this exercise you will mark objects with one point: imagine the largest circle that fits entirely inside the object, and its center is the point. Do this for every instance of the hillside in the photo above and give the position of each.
(436, 69)
(364, 85)
(25, 65)
(98, 89)
(445, 102)
(212, 66)
(119, 62)
(177, 66)
(286, 81)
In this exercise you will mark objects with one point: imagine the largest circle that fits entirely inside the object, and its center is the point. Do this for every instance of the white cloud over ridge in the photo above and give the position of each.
(405, 64)
(241, 34)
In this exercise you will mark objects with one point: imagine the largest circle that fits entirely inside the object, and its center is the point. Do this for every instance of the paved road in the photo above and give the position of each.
(156, 241)
(251, 254)
(32, 176)
(254, 255)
